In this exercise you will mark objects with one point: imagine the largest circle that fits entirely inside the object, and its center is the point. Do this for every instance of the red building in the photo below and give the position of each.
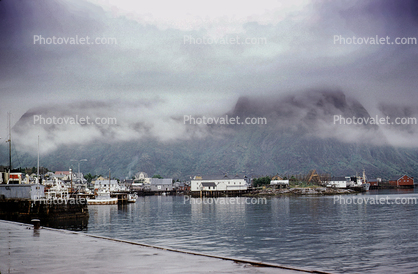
(404, 181)
(374, 182)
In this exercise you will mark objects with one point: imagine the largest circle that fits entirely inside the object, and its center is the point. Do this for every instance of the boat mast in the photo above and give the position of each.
(364, 176)
(37, 174)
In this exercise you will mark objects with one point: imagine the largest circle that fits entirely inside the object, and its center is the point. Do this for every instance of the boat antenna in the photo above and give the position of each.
(37, 174)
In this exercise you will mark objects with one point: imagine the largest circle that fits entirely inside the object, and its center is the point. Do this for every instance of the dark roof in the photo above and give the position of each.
(221, 177)
(156, 181)
(208, 184)
(337, 179)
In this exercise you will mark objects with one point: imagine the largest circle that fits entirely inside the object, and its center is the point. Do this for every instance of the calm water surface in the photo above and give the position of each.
(303, 231)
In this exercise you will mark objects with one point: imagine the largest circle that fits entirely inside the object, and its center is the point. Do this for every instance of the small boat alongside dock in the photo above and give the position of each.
(102, 197)
(132, 198)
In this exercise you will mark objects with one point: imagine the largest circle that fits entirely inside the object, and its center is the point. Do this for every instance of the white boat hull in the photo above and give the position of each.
(111, 201)
(132, 198)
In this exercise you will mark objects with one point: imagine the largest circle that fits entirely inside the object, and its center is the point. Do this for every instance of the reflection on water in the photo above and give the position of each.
(304, 231)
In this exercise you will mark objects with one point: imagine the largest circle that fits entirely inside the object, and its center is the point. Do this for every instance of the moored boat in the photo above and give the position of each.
(358, 183)
(102, 197)
(132, 198)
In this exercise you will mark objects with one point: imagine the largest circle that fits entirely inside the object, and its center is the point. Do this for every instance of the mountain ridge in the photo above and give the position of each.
(299, 136)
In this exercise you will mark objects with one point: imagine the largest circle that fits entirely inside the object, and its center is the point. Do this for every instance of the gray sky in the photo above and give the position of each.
(152, 76)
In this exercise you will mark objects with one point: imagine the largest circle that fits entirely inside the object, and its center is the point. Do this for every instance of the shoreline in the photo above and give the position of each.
(300, 191)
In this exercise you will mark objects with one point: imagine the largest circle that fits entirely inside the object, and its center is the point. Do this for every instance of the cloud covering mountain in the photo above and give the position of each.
(298, 76)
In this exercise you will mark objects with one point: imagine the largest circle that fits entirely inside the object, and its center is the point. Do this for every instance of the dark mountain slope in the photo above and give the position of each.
(300, 135)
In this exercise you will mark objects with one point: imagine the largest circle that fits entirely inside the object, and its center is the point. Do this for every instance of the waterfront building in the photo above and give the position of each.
(374, 182)
(404, 181)
(161, 185)
(111, 185)
(338, 182)
(141, 178)
(219, 183)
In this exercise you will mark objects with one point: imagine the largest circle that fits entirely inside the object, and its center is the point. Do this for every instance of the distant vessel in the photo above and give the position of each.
(366, 186)
(132, 198)
(102, 197)
(358, 183)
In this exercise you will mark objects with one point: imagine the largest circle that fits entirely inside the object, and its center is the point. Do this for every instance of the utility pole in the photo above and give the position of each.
(82, 160)
(71, 175)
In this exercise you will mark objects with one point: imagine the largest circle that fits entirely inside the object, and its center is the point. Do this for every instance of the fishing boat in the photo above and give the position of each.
(358, 183)
(132, 198)
(102, 197)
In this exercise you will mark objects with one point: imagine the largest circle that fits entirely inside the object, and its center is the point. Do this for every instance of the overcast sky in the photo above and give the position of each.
(154, 72)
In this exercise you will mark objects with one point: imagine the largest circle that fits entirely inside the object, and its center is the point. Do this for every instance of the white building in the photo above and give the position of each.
(111, 185)
(219, 183)
(161, 185)
(279, 182)
(337, 182)
(22, 191)
(141, 178)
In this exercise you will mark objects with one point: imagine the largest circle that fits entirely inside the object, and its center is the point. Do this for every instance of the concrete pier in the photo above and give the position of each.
(24, 249)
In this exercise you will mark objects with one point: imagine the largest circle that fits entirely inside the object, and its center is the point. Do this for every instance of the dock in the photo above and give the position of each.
(24, 210)
(29, 250)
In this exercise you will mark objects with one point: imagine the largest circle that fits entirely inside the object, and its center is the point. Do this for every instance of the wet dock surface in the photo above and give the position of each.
(27, 250)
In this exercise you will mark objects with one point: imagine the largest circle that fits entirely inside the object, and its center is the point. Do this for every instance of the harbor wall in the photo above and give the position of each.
(218, 193)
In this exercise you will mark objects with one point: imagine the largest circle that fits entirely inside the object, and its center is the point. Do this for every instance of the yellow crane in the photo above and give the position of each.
(314, 177)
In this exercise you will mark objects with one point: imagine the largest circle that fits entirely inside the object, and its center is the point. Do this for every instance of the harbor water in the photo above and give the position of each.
(329, 233)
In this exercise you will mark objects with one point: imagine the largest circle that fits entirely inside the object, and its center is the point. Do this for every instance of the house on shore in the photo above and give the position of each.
(375, 183)
(404, 181)
(141, 179)
(219, 184)
(161, 185)
(105, 183)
